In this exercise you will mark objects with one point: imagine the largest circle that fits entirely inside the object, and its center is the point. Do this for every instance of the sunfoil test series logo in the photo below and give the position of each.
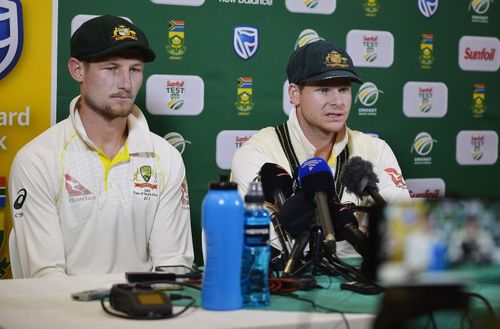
(477, 147)
(370, 48)
(367, 96)
(174, 94)
(428, 7)
(176, 38)
(11, 35)
(422, 145)
(423, 99)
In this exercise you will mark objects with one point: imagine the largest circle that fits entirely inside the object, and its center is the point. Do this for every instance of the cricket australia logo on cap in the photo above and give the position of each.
(335, 59)
(122, 32)
(11, 35)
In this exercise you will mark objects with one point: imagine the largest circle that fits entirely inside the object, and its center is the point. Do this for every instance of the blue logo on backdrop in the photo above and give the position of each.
(11, 35)
(245, 41)
(428, 7)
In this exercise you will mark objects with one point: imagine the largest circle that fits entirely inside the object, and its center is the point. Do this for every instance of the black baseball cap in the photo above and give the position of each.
(320, 60)
(106, 35)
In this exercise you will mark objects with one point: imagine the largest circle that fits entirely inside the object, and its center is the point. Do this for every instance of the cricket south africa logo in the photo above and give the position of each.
(245, 41)
(479, 9)
(307, 36)
(11, 35)
(176, 47)
(177, 141)
(422, 145)
(478, 100)
(244, 91)
(428, 7)
(368, 95)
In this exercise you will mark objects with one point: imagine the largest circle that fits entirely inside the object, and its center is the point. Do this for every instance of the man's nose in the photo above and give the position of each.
(124, 79)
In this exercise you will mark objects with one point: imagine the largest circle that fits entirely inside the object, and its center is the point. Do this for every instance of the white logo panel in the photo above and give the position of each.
(477, 147)
(427, 188)
(370, 48)
(174, 94)
(479, 53)
(425, 99)
(227, 142)
(323, 7)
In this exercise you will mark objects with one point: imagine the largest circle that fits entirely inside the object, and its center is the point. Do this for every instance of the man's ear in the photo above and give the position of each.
(76, 69)
(294, 94)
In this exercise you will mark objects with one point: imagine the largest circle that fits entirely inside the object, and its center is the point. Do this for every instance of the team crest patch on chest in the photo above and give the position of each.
(145, 177)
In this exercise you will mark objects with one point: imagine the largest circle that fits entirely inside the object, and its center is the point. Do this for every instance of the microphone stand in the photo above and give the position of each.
(319, 256)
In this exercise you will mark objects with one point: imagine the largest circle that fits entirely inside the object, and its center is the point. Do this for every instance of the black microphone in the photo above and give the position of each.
(346, 227)
(277, 187)
(316, 179)
(358, 178)
(297, 216)
(276, 183)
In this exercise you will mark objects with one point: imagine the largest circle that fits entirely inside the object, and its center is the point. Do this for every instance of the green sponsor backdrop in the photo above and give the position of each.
(210, 55)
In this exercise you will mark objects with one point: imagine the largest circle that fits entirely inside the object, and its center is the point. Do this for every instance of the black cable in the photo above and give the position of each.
(124, 316)
(491, 312)
(315, 305)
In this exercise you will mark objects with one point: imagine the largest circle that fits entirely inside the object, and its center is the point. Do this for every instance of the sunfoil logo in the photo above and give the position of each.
(177, 141)
(428, 7)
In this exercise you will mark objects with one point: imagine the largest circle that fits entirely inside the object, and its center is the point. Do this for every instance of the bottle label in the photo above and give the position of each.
(256, 235)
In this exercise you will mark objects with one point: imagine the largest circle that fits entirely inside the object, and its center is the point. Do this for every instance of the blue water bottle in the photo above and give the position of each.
(256, 249)
(223, 221)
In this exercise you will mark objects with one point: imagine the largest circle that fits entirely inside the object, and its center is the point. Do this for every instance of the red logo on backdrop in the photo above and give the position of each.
(74, 187)
(396, 177)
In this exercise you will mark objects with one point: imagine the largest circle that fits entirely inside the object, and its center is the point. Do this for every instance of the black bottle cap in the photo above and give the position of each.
(223, 184)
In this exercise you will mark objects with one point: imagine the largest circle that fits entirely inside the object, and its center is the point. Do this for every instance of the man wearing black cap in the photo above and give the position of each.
(320, 76)
(98, 192)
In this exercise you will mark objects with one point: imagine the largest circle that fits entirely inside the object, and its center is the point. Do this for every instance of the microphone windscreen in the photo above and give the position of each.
(315, 175)
(274, 178)
(296, 214)
(357, 175)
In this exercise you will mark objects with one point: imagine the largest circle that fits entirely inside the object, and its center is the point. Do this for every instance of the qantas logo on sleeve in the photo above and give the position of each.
(396, 177)
(74, 187)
